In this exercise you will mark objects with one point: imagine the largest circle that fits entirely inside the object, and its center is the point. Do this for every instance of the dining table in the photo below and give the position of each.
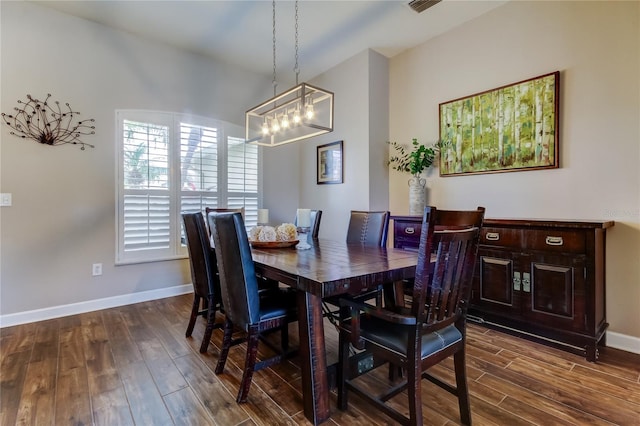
(328, 268)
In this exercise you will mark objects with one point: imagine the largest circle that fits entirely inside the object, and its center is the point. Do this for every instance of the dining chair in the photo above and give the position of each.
(254, 313)
(368, 228)
(208, 210)
(264, 283)
(316, 217)
(204, 276)
(419, 337)
(451, 219)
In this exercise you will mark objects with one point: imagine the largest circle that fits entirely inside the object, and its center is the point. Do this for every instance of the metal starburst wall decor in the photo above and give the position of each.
(48, 124)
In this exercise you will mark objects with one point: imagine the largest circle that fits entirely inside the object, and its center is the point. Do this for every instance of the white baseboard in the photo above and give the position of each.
(614, 340)
(91, 305)
(623, 342)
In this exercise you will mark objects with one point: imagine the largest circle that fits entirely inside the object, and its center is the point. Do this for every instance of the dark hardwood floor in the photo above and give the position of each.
(133, 365)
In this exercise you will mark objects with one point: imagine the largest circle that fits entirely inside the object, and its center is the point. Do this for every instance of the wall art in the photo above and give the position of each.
(48, 123)
(330, 161)
(511, 128)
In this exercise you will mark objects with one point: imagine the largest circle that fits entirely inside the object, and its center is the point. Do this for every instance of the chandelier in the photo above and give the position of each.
(299, 113)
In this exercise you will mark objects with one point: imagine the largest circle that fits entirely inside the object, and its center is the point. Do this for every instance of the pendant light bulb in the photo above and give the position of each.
(309, 113)
(284, 123)
(275, 126)
(296, 115)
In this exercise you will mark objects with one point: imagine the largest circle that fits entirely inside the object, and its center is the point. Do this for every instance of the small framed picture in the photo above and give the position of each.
(330, 163)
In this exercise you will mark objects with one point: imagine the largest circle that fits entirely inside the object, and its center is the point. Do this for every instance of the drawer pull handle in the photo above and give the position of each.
(554, 241)
(409, 230)
(492, 236)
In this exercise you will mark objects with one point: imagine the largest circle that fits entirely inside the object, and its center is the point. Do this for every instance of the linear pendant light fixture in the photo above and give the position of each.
(299, 113)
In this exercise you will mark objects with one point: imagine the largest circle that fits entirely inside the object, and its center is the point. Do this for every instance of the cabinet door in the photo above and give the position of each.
(495, 287)
(553, 287)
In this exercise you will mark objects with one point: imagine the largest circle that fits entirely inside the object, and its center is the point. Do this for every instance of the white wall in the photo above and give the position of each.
(596, 48)
(361, 122)
(63, 214)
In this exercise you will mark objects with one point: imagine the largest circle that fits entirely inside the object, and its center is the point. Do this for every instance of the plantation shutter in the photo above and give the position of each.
(171, 164)
(146, 211)
(242, 178)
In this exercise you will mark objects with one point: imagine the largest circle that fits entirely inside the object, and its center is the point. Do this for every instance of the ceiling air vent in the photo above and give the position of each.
(421, 5)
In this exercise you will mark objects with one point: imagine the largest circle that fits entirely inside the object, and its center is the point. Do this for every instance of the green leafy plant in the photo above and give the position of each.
(417, 160)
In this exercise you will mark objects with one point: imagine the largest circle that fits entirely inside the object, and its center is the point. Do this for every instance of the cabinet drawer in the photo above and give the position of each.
(554, 241)
(407, 233)
(501, 237)
(551, 240)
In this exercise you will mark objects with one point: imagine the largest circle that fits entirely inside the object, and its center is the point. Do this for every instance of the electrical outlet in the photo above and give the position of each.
(5, 199)
(96, 269)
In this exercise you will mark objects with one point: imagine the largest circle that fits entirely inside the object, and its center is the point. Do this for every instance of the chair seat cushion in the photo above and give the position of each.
(395, 337)
(276, 303)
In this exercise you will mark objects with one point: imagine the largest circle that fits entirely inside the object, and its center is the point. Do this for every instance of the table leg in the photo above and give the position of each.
(315, 384)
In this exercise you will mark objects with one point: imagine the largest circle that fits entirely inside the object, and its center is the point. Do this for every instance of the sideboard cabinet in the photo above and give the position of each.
(540, 279)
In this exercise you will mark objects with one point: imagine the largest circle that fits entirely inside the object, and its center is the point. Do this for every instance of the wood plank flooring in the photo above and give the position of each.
(133, 365)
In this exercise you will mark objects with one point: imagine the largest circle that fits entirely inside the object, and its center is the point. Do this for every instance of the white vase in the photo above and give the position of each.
(417, 186)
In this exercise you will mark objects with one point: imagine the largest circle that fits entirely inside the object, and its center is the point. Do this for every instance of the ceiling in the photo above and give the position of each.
(241, 32)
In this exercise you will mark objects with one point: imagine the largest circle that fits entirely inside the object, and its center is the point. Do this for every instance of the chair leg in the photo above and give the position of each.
(284, 338)
(395, 372)
(461, 384)
(249, 365)
(343, 370)
(414, 389)
(194, 314)
(205, 306)
(211, 319)
(226, 344)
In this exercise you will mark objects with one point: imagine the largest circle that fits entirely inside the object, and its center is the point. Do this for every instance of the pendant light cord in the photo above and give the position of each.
(296, 69)
(274, 48)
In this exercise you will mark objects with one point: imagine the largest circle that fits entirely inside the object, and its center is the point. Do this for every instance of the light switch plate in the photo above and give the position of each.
(5, 199)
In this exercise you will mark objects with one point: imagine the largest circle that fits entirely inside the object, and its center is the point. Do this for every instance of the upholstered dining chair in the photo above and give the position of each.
(204, 276)
(209, 210)
(369, 228)
(263, 283)
(252, 312)
(419, 337)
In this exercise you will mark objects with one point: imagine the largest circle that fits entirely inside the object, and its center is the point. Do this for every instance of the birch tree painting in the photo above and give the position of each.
(511, 128)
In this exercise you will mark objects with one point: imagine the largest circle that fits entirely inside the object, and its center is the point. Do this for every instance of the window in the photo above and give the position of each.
(169, 164)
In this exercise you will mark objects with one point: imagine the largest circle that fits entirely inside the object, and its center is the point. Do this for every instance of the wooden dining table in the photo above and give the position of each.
(328, 268)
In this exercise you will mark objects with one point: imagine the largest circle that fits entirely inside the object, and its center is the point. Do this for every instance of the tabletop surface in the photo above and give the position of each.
(335, 267)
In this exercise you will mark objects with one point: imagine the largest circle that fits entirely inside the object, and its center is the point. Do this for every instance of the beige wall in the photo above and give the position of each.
(596, 48)
(62, 219)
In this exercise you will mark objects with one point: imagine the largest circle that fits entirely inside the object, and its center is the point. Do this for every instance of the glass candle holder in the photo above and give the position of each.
(303, 235)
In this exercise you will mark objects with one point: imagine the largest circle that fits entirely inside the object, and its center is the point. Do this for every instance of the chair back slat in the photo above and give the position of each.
(238, 282)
